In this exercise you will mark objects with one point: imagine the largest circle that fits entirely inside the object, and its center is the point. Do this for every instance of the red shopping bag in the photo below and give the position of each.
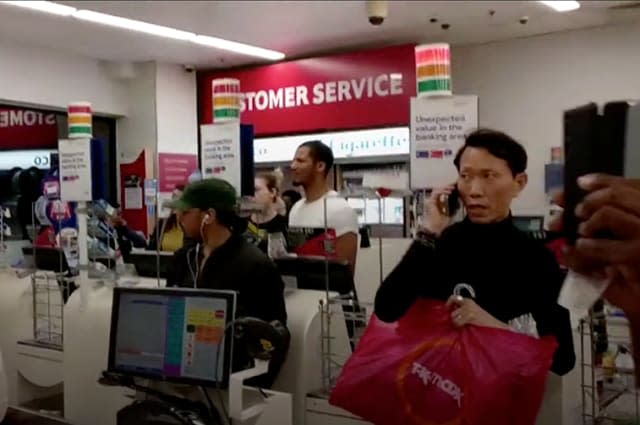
(422, 370)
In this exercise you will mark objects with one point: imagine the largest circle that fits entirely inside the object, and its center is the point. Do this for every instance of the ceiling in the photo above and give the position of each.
(297, 28)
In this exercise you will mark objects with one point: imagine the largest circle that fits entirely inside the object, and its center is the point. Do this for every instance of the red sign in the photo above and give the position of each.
(352, 91)
(27, 129)
(174, 170)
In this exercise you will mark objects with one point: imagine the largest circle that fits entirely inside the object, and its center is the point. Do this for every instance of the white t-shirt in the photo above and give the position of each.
(340, 216)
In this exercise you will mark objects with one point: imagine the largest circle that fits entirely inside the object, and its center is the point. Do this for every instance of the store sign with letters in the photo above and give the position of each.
(39, 158)
(27, 129)
(75, 169)
(174, 169)
(439, 126)
(345, 144)
(341, 92)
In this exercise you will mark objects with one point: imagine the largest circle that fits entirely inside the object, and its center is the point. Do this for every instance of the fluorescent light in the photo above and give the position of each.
(44, 6)
(562, 6)
(133, 25)
(241, 48)
(147, 28)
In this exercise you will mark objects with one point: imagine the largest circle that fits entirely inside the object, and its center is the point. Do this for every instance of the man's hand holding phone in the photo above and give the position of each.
(435, 218)
(608, 243)
(611, 207)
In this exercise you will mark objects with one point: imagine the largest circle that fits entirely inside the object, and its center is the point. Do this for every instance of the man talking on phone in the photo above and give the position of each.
(507, 274)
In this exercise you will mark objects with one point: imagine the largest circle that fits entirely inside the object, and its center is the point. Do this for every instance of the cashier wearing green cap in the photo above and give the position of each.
(224, 259)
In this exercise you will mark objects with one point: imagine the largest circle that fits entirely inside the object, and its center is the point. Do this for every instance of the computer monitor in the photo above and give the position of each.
(529, 223)
(148, 265)
(178, 335)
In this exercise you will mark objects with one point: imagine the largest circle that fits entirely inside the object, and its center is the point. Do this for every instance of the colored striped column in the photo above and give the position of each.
(433, 70)
(79, 120)
(226, 99)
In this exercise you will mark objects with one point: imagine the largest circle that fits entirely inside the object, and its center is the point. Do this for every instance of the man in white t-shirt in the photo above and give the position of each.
(310, 167)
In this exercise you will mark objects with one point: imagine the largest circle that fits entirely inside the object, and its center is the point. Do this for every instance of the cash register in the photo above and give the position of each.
(185, 337)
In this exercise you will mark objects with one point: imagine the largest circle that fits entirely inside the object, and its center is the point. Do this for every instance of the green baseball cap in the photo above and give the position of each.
(213, 193)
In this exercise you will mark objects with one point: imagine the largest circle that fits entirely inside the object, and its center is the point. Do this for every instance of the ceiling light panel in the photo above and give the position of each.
(562, 6)
(147, 28)
(133, 25)
(43, 6)
(241, 48)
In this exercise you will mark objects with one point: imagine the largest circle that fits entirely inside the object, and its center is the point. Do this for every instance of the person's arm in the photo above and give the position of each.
(401, 288)
(347, 249)
(554, 320)
(136, 239)
(551, 318)
(347, 237)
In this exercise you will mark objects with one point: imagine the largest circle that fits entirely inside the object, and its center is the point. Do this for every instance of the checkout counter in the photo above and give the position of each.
(35, 371)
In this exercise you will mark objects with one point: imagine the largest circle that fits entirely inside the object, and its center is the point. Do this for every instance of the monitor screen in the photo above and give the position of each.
(172, 334)
(147, 263)
(529, 223)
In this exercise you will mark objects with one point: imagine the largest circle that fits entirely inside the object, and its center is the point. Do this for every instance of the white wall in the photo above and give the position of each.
(525, 85)
(138, 129)
(48, 78)
(176, 109)
(162, 115)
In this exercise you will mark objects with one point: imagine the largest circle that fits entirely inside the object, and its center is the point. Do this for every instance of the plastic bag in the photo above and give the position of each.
(525, 324)
(423, 370)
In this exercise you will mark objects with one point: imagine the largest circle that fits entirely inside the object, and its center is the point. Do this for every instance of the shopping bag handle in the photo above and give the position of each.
(457, 290)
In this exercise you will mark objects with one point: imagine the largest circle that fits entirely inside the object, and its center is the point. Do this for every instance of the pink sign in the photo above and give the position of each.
(174, 170)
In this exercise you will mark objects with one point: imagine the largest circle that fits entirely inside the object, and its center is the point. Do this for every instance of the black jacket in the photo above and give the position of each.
(511, 274)
(236, 266)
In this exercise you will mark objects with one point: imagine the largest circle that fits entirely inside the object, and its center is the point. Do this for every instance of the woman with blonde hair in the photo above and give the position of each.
(168, 231)
(271, 218)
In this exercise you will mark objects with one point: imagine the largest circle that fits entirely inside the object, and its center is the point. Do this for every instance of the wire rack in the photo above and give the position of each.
(609, 395)
(49, 292)
(355, 315)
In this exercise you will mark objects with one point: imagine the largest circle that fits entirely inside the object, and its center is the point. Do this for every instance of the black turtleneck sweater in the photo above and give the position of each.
(512, 275)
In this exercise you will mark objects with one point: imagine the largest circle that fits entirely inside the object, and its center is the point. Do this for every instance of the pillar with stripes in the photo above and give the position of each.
(433, 70)
(79, 120)
(226, 99)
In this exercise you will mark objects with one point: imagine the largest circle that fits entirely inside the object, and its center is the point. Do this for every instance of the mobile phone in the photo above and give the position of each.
(593, 143)
(580, 138)
(449, 204)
